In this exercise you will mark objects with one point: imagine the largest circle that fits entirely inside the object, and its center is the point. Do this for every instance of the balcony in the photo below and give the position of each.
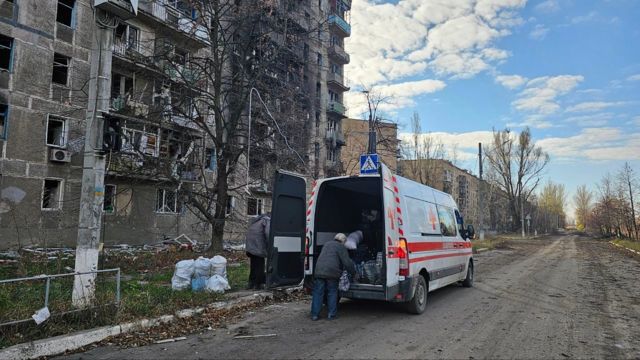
(336, 108)
(340, 24)
(334, 138)
(180, 21)
(337, 81)
(339, 54)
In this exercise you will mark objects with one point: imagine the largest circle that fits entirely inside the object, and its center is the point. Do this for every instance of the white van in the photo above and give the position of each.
(414, 240)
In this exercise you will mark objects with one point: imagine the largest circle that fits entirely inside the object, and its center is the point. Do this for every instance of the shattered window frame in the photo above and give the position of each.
(61, 66)
(109, 202)
(61, 137)
(46, 202)
(4, 121)
(6, 51)
(66, 8)
(163, 197)
(255, 204)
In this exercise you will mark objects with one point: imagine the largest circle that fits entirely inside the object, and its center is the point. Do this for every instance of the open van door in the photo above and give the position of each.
(285, 262)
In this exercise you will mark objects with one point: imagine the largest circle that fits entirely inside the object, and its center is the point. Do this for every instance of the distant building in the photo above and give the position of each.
(356, 137)
(463, 186)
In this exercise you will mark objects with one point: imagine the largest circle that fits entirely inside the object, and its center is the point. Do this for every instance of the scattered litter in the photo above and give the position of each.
(41, 315)
(171, 340)
(254, 336)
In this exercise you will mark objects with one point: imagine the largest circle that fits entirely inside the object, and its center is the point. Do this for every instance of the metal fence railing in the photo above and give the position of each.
(47, 279)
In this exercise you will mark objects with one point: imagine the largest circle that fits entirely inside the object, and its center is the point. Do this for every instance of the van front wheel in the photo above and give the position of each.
(418, 304)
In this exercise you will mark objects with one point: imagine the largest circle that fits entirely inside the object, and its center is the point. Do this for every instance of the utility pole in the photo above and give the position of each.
(92, 194)
(371, 148)
(522, 214)
(480, 200)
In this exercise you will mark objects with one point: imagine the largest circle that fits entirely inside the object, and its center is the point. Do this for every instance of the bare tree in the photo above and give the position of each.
(628, 181)
(582, 202)
(423, 155)
(518, 164)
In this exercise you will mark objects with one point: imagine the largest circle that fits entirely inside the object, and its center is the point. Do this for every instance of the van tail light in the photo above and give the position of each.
(403, 254)
(306, 253)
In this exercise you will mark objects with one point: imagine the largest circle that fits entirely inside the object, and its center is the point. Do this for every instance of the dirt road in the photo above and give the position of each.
(564, 297)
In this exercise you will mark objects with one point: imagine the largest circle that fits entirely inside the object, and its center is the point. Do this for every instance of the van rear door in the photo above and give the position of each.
(391, 230)
(285, 262)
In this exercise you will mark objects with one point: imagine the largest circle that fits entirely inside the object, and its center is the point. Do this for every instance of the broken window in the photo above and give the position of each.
(231, 203)
(126, 36)
(66, 12)
(210, 161)
(254, 207)
(6, 48)
(52, 194)
(121, 90)
(139, 141)
(319, 59)
(60, 69)
(56, 131)
(4, 112)
(109, 204)
(181, 57)
(183, 7)
(167, 201)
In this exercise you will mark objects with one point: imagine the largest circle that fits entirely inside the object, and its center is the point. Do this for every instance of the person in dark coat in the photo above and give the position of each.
(333, 260)
(256, 248)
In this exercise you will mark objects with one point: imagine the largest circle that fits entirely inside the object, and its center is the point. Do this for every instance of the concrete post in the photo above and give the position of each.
(92, 195)
(480, 194)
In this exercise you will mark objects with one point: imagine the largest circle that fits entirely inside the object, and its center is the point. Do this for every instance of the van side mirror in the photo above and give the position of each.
(470, 232)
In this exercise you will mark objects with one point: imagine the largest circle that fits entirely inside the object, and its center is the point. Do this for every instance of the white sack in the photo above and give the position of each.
(219, 266)
(203, 267)
(353, 240)
(181, 279)
(217, 284)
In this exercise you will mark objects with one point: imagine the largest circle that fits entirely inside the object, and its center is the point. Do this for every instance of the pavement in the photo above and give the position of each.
(560, 297)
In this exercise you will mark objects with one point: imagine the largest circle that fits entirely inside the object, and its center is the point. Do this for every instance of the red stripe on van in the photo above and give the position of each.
(401, 232)
(398, 200)
(437, 245)
(398, 210)
(394, 179)
(395, 189)
(423, 258)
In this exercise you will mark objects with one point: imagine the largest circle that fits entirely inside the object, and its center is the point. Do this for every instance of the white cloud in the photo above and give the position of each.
(534, 121)
(599, 119)
(604, 143)
(466, 143)
(511, 81)
(391, 42)
(397, 96)
(540, 94)
(635, 77)
(592, 106)
(548, 6)
(584, 18)
(636, 121)
(539, 32)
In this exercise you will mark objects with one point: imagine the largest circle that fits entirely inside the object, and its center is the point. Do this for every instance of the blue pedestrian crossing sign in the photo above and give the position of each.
(369, 164)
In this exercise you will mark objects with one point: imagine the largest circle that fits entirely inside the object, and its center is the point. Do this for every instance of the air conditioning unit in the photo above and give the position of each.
(124, 9)
(59, 155)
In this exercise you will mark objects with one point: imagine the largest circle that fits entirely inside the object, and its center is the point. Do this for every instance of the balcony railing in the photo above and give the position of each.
(175, 18)
(336, 107)
(337, 80)
(340, 23)
(338, 53)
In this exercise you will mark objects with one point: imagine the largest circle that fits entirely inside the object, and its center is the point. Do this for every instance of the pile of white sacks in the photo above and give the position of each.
(201, 274)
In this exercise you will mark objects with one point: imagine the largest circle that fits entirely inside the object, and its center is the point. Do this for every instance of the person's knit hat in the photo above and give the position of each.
(341, 237)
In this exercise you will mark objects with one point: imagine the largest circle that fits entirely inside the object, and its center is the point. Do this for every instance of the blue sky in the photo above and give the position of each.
(568, 69)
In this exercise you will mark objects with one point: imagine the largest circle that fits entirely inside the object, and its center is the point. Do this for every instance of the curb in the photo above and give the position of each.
(624, 247)
(60, 344)
(481, 250)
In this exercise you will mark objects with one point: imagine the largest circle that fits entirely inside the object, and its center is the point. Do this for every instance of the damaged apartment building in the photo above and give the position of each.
(153, 147)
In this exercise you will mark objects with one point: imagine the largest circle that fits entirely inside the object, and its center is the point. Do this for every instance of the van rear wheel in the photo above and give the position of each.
(468, 281)
(418, 304)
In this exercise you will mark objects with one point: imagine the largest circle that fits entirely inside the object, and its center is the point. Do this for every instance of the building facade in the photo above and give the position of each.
(356, 136)
(152, 149)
